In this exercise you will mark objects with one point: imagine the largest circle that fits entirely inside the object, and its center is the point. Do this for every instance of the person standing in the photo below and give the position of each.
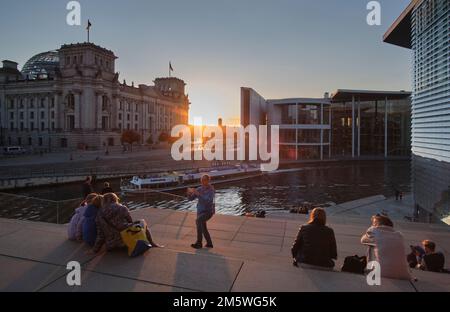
(205, 210)
(107, 188)
(87, 187)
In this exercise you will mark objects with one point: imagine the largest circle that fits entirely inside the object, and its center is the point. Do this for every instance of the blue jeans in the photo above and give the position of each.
(202, 229)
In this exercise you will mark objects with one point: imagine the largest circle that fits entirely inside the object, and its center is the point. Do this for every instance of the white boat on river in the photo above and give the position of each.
(170, 181)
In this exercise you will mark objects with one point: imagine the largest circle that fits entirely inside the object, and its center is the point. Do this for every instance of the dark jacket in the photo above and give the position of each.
(315, 245)
(433, 262)
(110, 221)
(107, 190)
(87, 189)
(89, 225)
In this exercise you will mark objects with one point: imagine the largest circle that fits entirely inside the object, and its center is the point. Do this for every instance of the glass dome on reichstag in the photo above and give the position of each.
(42, 64)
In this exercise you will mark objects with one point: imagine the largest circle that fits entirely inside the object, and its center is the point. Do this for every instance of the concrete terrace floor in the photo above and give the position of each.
(250, 255)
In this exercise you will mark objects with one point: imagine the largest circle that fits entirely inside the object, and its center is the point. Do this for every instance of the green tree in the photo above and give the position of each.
(130, 137)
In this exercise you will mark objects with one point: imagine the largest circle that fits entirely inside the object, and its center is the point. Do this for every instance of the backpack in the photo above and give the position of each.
(354, 264)
(135, 238)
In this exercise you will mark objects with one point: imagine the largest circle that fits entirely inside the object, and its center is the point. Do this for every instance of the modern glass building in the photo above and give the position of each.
(424, 27)
(371, 124)
(349, 124)
(305, 123)
(304, 127)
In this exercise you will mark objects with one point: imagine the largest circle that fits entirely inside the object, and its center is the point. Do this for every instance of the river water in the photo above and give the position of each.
(318, 184)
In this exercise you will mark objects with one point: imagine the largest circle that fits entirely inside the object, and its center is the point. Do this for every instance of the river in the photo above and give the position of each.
(324, 183)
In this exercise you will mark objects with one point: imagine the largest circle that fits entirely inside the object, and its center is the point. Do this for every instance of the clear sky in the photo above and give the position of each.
(281, 48)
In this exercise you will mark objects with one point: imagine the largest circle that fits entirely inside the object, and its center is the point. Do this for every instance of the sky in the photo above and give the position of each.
(280, 48)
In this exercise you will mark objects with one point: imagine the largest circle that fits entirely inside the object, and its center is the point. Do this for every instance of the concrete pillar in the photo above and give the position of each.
(296, 131)
(321, 131)
(386, 127)
(359, 127)
(330, 132)
(353, 126)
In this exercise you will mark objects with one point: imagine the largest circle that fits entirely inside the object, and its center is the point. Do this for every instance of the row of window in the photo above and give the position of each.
(31, 115)
(129, 107)
(78, 60)
(74, 60)
(303, 114)
(32, 127)
(29, 140)
(31, 103)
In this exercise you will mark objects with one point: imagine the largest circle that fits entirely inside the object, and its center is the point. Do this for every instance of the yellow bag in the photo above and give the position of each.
(135, 238)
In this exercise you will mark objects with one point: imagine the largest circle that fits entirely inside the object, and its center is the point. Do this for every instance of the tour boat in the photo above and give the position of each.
(170, 181)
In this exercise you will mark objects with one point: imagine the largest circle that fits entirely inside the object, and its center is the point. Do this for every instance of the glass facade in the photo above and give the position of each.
(304, 130)
(342, 129)
(41, 64)
(430, 42)
(288, 114)
(309, 114)
(377, 127)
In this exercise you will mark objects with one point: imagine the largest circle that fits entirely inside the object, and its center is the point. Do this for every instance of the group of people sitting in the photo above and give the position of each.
(315, 246)
(99, 221)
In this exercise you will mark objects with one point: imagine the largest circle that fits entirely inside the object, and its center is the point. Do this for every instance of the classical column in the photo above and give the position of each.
(77, 110)
(98, 113)
(36, 112)
(57, 110)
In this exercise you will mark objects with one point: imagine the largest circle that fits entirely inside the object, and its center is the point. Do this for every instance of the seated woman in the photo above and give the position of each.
(387, 247)
(76, 223)
(89, 227)
(315, 244)
(111, 219)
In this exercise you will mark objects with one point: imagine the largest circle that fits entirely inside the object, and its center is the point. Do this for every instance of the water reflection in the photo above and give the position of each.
(331, 183)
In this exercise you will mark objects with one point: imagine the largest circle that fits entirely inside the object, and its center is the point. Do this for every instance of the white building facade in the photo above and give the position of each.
(72, 99)
(305, 123)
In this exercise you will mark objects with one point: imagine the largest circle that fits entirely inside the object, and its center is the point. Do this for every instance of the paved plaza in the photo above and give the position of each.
(249, 255)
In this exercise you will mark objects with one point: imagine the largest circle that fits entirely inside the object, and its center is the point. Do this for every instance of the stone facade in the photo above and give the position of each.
(81, 103)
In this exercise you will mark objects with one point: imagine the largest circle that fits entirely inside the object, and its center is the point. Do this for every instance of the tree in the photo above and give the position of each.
(150, 140)
(130, 137)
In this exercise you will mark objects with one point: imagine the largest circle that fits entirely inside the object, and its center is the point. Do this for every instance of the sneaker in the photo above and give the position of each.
(196, 246)
(209, 246)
